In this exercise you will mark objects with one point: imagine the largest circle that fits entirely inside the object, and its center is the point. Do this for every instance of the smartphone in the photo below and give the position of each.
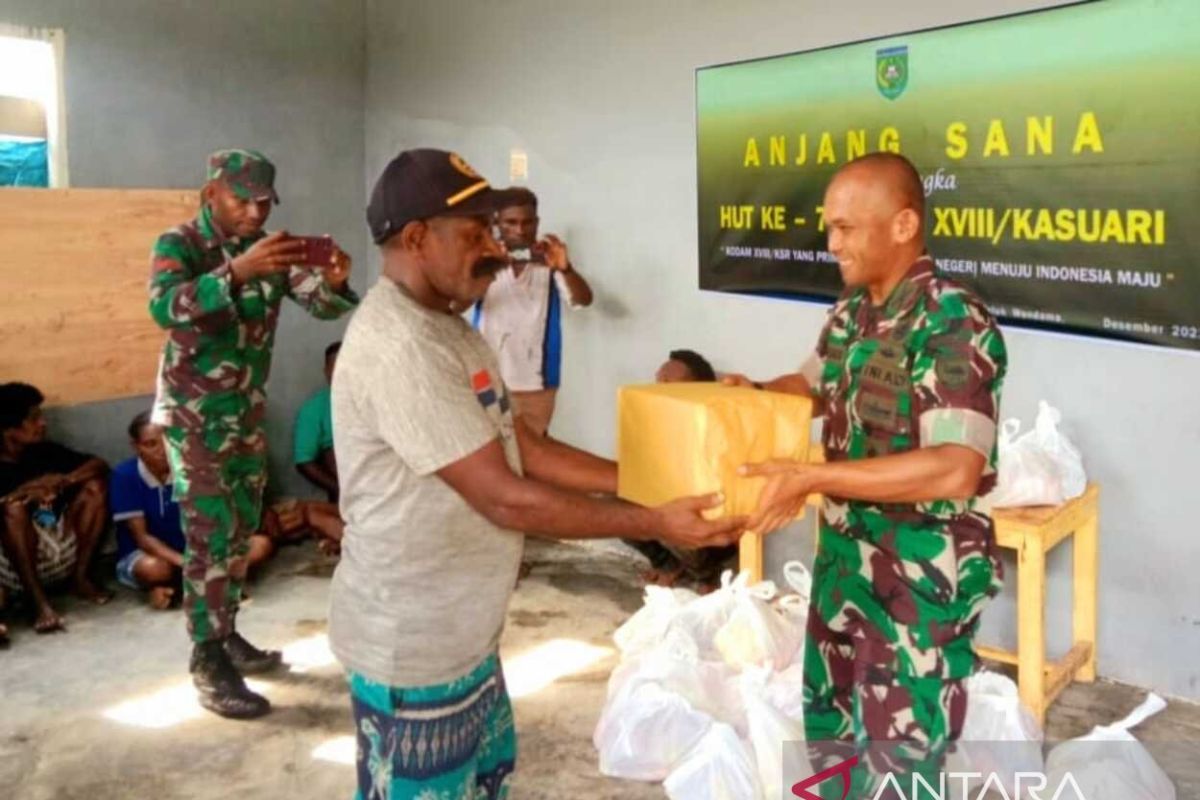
(525, 255)
(318, 250)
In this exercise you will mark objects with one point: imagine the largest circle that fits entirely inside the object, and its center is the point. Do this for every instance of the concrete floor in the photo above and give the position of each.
(105, 712)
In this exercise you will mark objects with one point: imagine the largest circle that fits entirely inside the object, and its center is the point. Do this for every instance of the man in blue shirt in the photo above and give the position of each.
(520, 315)
(150, 539)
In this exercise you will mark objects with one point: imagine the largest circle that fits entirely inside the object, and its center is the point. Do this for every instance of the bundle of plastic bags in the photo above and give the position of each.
(708, 699)
(708, 690)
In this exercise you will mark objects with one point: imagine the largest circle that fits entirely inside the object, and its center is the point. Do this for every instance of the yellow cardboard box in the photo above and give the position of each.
(680, 439)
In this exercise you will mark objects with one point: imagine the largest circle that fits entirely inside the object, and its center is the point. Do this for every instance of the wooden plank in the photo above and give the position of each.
(750, 556)
(1031, 627)
(1002, 656)
(1084, 582)
(1076, 514)
(996, 654)
(74, 265)
(1051, 523)
(1063, 671)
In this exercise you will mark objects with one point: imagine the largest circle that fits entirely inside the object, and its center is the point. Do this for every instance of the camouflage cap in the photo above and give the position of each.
(249, 173)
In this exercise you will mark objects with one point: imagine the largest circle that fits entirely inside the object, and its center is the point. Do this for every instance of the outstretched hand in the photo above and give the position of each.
(788, 486)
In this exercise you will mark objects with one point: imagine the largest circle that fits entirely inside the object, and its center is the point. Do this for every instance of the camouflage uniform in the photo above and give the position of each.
(212, 387)
(898, 587)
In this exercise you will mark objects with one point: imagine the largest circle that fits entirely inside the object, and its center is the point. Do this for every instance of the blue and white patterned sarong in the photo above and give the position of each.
(454, 741)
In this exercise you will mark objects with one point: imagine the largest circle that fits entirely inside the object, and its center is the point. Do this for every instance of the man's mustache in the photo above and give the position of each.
(489, 265)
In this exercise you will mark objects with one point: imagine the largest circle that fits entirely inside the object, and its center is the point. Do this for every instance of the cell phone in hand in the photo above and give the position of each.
(526, 255)
(318, 250)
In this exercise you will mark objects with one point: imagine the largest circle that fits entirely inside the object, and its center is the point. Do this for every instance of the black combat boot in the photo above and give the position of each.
(220, 688)
(248, 659)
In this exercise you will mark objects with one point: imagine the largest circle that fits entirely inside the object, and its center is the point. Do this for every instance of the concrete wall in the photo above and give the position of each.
(152, 87)
(600, 95)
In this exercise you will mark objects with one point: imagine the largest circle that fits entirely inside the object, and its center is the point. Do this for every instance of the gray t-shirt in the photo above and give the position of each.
(422, 589)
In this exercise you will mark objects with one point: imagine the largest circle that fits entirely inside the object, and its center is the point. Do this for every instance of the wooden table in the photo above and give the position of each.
(1032, 533)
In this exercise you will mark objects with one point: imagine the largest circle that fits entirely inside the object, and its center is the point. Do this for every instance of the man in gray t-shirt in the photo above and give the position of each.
(438, 487)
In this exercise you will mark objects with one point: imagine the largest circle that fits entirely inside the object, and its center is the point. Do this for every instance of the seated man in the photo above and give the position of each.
(313, 455)
(325, 522)
(668, 564)
(150, 542)
(683, 366)
(292, 520)
(53, 501)
(313, 441)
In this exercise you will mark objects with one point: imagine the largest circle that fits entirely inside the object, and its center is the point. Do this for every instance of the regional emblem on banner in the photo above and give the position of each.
(891, 71)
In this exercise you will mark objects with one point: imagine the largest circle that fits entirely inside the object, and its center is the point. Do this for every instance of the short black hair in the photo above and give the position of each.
(519, 196)
(697, 364)
(16, 401)
(332, 350)
(136, 425)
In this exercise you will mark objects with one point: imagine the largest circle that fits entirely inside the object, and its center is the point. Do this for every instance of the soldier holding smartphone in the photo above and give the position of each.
(216, 286)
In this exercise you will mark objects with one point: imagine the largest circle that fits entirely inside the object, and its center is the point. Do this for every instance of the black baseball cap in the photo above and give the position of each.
(423, 183)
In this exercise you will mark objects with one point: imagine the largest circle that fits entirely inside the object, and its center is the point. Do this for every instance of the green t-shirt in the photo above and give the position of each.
(314, 428)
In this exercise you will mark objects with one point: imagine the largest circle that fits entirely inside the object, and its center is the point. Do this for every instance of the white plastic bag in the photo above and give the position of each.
(720, 767)
(645, 629)
(758, 633)
(799, 578)
(1065, 455)
(700, 619)
(1110, 763)
(1025, 475)
(1038, 468)
(795, 610)
(778, 741)
(645, 732)
(785, 691)
(1000, 736)
(706, 685)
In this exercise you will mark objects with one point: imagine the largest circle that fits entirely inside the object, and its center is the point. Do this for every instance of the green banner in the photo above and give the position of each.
(1060, 152)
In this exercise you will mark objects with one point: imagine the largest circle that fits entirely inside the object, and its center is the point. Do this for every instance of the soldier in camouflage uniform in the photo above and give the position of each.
(908, 368)
(216, 286)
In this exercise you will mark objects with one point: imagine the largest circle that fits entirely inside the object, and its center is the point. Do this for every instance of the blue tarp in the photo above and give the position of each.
(24, 162)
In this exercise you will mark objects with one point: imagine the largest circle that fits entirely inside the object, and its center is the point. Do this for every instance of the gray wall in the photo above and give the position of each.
(601, 97)
(152, 87)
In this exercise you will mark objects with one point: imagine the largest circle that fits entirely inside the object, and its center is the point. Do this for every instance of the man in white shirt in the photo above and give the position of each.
(520, 316)
(438, 486)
